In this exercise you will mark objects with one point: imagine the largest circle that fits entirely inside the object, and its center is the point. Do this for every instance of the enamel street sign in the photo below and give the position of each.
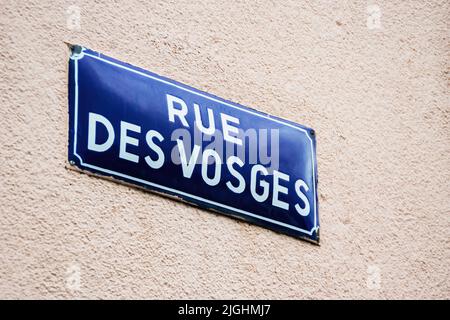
(143, 129)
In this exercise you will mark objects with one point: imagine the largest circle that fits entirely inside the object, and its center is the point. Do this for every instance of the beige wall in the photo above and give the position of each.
(377, 95)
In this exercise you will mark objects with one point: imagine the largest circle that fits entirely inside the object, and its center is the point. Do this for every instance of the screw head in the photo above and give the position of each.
(76, 49)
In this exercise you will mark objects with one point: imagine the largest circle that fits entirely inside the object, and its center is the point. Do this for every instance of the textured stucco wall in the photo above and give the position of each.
(377, 95)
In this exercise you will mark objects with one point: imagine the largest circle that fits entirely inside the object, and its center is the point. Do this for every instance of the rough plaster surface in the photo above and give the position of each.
(378, 99)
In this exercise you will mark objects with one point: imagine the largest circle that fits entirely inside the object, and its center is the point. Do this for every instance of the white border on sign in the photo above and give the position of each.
(82, 54)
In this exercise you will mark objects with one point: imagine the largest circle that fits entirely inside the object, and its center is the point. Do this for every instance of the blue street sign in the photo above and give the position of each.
(162, 135)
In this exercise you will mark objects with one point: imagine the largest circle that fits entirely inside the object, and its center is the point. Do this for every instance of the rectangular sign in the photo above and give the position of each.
(147, 130)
